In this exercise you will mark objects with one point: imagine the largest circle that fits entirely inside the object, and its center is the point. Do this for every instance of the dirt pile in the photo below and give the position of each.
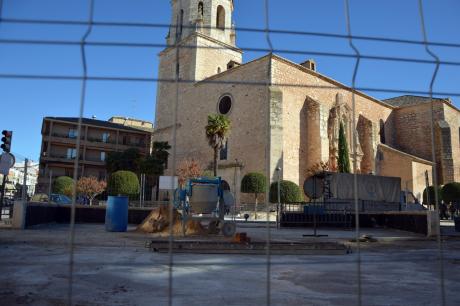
(158, 222)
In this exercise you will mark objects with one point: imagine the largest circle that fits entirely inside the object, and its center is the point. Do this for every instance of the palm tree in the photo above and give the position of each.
(160, 151)
(216, 132)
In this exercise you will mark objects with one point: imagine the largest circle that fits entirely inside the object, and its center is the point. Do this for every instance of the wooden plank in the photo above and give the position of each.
(223, 247)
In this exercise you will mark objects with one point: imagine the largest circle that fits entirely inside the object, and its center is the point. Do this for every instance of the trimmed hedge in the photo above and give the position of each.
(254, 183)
(123, 183)
(431, 194)
(290, 192)
(451, 193)
(63, 185)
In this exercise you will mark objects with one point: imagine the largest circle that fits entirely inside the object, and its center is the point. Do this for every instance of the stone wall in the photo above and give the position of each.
(451, 116)
(248, 137)
(411, 170)
(412, 134)
(307, 99)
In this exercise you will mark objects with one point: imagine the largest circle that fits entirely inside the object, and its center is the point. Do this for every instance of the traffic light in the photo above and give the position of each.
(6, 139)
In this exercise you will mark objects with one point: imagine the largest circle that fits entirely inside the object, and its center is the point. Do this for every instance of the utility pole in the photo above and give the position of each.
(278, 205)
(142, 193)
(50, 183)
(427, 181)
(2, 196)
(406, 193)
(24, 182)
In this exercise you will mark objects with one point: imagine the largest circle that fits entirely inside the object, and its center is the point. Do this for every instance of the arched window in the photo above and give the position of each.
(225, 185)
(220, 23)
(200, 9)
(219, 70)
(382, 132)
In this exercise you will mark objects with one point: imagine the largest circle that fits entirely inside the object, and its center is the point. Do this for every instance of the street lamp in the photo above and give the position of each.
(278, 170)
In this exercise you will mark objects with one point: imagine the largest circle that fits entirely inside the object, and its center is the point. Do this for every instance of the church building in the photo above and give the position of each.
(287, 114)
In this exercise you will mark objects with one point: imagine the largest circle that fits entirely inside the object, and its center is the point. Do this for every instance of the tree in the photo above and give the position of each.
(156, 163)
(91, 187)
(63, 185)
(344, 158)
(255, 183)
(129, 160)
(160, 152)
(188, 168)
(113, 161)
(320, 168)
(451, 193)
(217, 131)
(431, 195)
(289, 192)
(123, 183)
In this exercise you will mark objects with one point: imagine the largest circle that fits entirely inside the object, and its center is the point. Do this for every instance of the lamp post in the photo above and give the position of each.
(278, 170)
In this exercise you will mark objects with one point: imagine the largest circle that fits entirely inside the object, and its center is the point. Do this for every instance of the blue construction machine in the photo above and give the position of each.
(203, 200)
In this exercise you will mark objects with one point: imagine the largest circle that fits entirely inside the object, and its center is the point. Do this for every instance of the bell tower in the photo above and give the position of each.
(201, 43)
(213, 18)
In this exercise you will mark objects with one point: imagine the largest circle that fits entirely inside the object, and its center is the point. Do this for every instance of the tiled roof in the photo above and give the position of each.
(96, 122)
(409, 100)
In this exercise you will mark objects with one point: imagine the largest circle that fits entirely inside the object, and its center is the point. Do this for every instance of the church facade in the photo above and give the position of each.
(287, 115)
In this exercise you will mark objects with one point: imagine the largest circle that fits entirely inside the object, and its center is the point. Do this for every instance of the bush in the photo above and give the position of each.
(290, 192)
(254, 183)
(431, 194)
(451, 193)
(63, 185)
(123, 183)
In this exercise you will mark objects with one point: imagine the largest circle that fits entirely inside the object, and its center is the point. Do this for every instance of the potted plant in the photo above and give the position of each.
(121, 186)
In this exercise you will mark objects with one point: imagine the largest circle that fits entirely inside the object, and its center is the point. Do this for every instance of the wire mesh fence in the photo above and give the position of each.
(174, 83)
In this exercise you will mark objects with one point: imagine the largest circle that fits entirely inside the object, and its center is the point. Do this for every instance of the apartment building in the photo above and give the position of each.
(97, 139)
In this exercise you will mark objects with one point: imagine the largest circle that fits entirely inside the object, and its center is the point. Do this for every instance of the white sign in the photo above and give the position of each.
(168, 182)
(6, 162)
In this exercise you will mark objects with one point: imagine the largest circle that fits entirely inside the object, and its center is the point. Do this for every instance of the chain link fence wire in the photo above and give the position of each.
(171, 262)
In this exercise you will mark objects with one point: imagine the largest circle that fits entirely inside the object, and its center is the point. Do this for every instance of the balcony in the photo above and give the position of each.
(132, 144)
(100, 140)
(96, 161)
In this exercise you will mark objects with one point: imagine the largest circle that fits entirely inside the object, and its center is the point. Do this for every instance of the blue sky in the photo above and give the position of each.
(28, 101)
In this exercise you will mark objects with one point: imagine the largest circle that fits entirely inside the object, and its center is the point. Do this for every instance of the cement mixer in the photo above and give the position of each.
(203, 200)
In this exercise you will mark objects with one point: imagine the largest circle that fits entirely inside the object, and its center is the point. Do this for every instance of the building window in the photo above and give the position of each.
(225, 105)
(219, 70)
(220, 22)
(200, 9)
(382, 132)
(225, 185)
(71, 153)
(102, 156)
(224, 152)
(105, 137)
(73, 133)
(178, 71)
(181, 22)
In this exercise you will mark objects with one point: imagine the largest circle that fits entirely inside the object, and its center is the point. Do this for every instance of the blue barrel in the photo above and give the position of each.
(116, 214)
